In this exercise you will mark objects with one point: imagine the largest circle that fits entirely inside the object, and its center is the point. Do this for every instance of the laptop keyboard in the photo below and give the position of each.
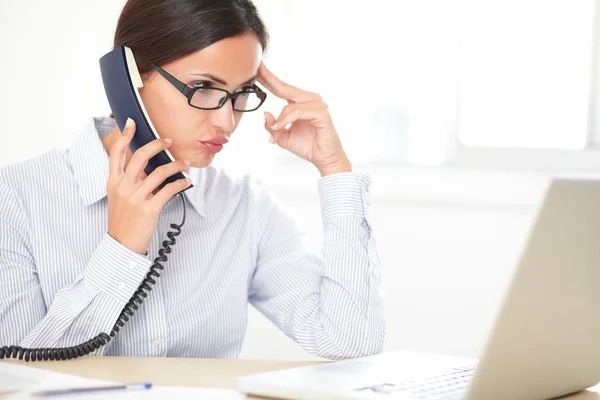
(446, 386)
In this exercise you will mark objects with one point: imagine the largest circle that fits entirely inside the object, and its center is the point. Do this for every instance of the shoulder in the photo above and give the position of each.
(38, 173)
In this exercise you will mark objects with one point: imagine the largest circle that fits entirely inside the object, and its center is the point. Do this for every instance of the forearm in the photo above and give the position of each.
(92, 303)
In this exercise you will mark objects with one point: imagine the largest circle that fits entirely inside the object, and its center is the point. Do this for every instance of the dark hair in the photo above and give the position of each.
(161, 31)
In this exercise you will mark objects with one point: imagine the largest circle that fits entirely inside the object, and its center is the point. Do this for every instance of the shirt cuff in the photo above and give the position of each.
(116, 270)
(345, 194)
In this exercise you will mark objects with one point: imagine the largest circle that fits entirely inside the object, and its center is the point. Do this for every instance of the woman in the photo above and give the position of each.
(77, 225)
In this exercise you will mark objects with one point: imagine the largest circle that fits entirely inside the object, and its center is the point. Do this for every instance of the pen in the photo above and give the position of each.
(59, 392)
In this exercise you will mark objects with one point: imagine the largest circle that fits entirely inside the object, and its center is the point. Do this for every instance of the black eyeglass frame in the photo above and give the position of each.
(189, 92)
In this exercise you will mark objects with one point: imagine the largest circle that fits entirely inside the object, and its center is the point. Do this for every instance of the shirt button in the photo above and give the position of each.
(374, 272)
(122, 285)
(132, 265)
(155, 342)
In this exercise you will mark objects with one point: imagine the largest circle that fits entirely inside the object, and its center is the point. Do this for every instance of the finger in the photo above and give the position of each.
(158, 176)
(315, 113)
(294, 106)
(281, 137)
(281, 89)
(291, 110)
(168, 191)
(118, 150)
(269, 121)
(140, 158)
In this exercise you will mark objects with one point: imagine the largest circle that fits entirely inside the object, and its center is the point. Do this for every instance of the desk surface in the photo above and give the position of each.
(189, 371)
(197, 372)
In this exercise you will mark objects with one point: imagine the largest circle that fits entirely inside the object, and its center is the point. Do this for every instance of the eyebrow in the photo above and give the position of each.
(219, 80)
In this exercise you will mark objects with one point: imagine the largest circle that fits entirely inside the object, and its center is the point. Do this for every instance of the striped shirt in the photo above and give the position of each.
(63, 279)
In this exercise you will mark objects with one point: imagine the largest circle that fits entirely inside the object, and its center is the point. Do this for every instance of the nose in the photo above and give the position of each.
(223, 118)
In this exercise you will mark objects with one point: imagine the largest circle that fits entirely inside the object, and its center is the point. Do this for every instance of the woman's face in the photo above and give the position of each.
(229, 64)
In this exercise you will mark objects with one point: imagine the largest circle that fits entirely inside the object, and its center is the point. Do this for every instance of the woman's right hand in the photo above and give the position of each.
(133, 209)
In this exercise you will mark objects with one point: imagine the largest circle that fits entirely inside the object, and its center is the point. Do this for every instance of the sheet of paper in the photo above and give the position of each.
(24, 380)
(15, 377)
(11, 382)
(156, 392)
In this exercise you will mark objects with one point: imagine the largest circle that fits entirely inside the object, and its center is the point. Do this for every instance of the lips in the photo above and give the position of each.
(213, 145)
(215, 140)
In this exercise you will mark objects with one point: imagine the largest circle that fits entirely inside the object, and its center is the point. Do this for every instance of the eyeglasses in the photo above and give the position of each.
(209, 98)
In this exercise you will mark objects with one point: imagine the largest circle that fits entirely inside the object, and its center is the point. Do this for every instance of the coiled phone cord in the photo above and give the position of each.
(83, 349)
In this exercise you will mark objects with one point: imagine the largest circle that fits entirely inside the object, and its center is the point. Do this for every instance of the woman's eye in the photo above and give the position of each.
(201, 84)
(202, 87)
(247, 89)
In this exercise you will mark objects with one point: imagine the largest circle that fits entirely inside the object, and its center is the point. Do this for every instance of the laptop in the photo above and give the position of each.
(544, 341)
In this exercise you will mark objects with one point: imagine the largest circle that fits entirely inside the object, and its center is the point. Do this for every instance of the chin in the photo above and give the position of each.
(202, 161)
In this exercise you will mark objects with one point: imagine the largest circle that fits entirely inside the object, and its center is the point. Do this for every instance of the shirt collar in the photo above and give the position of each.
(90, 163)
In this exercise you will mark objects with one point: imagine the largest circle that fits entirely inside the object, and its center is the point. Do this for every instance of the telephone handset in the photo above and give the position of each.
(121, 79)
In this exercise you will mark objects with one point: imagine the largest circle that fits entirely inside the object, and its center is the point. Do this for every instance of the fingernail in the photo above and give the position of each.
(168, 140)
(187, 162)
(271, 140)
(265, 114)
(128, 123)
(188, 181)
(275, 126)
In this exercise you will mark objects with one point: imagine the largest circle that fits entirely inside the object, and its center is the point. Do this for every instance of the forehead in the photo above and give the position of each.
(234, 59)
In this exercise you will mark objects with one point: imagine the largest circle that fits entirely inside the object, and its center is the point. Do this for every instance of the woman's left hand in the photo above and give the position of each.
(311, 134)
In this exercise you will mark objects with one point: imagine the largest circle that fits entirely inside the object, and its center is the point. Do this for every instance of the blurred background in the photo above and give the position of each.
(462, 111)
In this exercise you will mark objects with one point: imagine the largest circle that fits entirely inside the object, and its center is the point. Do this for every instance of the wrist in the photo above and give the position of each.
(338, 165)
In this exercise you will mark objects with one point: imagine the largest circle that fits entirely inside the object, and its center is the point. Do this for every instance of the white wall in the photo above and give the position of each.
(448, 240)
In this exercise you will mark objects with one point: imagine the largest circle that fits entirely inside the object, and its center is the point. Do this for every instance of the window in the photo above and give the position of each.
(528, 86)
(461, 82)
(526, 74)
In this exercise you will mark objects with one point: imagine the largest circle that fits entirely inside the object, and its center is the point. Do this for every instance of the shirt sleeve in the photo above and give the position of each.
(330, 305)
(79, 311)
